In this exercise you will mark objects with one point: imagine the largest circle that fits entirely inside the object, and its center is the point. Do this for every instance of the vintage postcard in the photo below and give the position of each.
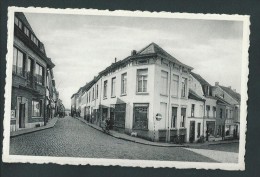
(127, 88)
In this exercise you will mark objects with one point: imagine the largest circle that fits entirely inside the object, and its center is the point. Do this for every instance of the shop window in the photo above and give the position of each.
(36, 108)
(18, 62)
(141, 116)
(142, 75)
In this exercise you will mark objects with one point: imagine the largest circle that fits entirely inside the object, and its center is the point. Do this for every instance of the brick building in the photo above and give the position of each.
(29, 78)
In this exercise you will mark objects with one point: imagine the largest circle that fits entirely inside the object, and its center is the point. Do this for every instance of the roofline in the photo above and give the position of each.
(220, 86)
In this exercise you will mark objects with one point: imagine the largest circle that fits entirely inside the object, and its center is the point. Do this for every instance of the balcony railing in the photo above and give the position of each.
(31, 81)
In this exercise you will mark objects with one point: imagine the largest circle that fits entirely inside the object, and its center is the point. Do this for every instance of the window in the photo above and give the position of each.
(97, 91)
(214, 111)
(105, 90)
(18, 22)
(30, 66)
(227, 113)
(39, 74)
(89, 96)
(183, 87)
(141, 116)
(207, 109)
(113, 87)
(26, 31)
(123, 83)
(199, 125)
(93, 94)
(18, 62)
(175, 82)
(174, 117)
(142, 62)
(34, 39)
(221, 113)
(230, 113)
(192, 110)
(183, 117)
(142, 75)
(164, 82)
(36, 108)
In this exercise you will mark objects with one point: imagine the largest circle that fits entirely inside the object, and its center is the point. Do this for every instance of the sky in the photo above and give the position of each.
(83, 45)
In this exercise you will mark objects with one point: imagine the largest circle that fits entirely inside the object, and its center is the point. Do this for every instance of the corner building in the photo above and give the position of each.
(146, 93)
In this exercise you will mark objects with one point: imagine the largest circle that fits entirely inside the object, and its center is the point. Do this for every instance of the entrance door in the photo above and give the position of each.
(22, 116)
(192, 131)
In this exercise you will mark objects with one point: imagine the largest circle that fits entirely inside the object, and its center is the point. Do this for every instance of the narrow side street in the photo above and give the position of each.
(72, 138)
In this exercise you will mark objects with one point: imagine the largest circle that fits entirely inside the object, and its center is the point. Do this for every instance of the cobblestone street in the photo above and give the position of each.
(72, 138)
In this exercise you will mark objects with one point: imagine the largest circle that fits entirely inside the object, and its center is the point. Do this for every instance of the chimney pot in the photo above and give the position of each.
(216, 83)
(133, 52)
(115, 59)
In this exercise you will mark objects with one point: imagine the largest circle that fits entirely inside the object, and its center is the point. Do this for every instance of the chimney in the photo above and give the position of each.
(133, 52)
(216, 83)
(230, 87)
(115, 59)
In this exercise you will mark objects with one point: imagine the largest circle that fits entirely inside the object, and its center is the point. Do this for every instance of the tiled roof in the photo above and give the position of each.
(235, 95)
(200, 79)
(154, 48)
(193, 95)
(221, 100)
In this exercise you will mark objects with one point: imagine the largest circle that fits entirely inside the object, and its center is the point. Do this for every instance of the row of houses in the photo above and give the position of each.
(158, 97)
(35, 99)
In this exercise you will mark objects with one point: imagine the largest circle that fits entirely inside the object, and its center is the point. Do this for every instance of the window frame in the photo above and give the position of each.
(175, 81)
(113, 87)
(16, 61)
(40, 109)
(123, 84)
(145, 105)
(144, 77)
(105, 89)
(166, 82)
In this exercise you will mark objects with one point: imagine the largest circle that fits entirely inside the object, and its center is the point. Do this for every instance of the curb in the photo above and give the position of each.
(118, 137)
(35, 130)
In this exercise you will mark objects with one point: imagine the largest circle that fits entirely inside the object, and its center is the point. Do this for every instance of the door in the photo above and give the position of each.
(192, 131)
(22, 115)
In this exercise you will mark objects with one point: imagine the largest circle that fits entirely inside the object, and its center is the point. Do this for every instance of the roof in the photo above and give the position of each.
(154, 48)
(201, 80)
(22, 17)
(221, 100)
(232, 93)
(148, 51)
(193, 95)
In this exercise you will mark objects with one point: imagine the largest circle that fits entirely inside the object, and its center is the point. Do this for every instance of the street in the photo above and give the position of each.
(72, 138)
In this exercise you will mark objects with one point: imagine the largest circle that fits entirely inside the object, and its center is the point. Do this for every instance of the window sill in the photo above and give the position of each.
(23, 77)
(163, 95)
(142, 93)
(113, 96)
(173, 128)
(182, 128)
(105, 98)
(123, 94)
(37, 117)
(174, 96)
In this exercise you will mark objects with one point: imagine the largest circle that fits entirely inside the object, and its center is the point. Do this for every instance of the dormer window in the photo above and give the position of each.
(34, 39)
(142, 62)
(26, 31)
(18, 22)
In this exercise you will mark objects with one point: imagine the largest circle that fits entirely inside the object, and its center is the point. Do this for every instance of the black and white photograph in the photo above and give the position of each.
(127, 88)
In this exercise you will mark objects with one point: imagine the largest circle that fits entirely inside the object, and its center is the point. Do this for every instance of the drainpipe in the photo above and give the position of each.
(203, 119)
(169, 105)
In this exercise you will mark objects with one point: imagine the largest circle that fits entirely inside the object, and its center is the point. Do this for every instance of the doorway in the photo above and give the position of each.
(192, 131)
(22, 115)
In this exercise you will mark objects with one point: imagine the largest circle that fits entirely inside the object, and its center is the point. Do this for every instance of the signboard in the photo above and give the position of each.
(12, 114)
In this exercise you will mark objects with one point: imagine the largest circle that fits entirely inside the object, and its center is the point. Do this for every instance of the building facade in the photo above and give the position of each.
(151, 93)
(29, 77)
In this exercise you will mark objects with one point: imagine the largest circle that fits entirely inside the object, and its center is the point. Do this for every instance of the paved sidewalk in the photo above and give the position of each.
(146, 142)
(50, 124)
(130, 138)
